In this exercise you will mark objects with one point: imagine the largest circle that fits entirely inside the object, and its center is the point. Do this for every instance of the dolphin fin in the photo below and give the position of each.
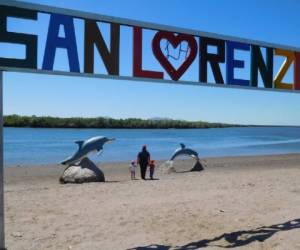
(182, 145)
(79, 143)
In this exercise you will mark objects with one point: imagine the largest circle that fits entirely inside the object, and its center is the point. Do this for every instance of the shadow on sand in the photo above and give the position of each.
(233, 239)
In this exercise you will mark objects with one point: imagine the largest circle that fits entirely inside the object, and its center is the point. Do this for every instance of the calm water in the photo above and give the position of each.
(24, 146)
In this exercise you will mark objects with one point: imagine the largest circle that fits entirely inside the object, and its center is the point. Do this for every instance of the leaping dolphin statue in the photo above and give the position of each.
(85, 147)
(190, 152)
(185, 151)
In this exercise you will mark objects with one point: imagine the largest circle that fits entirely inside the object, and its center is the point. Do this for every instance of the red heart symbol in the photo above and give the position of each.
(174, 40)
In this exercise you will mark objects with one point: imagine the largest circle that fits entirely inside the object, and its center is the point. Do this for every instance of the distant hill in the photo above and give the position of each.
(104, 122)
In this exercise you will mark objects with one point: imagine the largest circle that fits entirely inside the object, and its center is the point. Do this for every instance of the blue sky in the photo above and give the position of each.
(271, 21)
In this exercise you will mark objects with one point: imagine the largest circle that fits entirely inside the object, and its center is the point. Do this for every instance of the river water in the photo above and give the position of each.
(35, 146)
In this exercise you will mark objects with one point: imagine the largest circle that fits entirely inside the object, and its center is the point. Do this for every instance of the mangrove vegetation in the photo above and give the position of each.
(103, 122)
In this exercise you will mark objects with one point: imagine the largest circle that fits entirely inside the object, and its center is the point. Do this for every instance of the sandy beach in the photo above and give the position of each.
(237, 202)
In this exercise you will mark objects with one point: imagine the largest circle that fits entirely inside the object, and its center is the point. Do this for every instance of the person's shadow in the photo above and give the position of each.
(233, 239)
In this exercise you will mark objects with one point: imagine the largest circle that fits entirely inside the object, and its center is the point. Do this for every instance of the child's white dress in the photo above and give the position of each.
(132, 168)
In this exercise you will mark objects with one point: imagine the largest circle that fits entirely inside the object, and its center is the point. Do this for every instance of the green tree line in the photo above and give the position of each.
(102, 122)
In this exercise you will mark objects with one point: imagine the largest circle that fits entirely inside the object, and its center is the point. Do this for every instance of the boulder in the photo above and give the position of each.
(85, 171)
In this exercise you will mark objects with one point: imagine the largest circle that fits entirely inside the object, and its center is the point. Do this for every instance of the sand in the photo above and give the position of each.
(243, 202)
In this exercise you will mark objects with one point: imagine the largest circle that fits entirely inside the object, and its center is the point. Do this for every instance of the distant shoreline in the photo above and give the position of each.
(18, 121)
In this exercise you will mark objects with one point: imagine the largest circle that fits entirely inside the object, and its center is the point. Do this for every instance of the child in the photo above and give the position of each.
(132, 167)
(152, 166)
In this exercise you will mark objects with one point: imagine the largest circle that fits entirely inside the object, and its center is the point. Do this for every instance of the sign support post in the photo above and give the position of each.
(2, 237)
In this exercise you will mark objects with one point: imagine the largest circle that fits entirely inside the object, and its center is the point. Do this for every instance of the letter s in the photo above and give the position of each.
(30, 41)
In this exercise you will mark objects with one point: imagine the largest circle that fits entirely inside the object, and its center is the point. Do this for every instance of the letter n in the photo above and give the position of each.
(93, 36)
(265, 68)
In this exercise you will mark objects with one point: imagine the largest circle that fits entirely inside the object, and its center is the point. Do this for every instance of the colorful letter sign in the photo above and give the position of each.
(151, 52)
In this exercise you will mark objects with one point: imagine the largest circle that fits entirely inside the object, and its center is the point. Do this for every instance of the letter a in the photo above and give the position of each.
(54, 42)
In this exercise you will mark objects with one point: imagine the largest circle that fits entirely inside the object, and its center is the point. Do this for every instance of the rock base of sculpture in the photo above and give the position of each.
(197, 167)
(85, 171)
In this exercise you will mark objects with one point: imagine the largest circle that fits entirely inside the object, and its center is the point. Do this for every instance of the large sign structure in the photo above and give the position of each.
(195, 46)
(197, 51)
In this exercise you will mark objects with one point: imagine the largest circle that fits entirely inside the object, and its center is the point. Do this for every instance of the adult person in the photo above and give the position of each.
(143, 159)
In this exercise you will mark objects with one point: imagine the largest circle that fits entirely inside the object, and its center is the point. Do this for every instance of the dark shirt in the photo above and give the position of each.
(143, 157)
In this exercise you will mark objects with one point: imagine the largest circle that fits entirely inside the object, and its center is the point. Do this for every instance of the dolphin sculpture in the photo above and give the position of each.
(85, 147)
(185, 151)
(190, 152)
